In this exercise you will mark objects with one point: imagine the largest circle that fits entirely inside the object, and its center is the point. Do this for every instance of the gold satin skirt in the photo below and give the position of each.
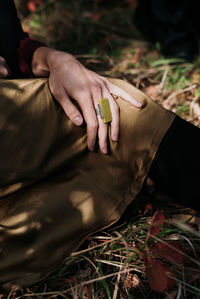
(53, 191)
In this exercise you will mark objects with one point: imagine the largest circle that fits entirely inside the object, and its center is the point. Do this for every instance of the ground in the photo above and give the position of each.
(155, 253)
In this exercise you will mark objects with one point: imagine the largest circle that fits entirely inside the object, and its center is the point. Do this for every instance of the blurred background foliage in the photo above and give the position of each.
(81, 26)
(102, 36)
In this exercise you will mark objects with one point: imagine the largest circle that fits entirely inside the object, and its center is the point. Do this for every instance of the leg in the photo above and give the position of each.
(53, 191)
(175, 169)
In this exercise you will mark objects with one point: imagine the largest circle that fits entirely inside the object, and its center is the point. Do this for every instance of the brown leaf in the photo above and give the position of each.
(131, 281)
(157, 275)
(152, 91)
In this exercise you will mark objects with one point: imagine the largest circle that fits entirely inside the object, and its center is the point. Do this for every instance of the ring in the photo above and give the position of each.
(104, 110)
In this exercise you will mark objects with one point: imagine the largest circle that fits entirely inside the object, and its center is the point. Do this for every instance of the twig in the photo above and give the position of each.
(177, 92)
(185, 227)
(115, 292)
(93, 247)
(110, 263)
(89, 260)
(195, 118)
(179, 291)
(164, 77)
(192, 246)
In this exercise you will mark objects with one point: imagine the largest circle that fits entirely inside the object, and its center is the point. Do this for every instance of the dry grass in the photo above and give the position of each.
(111, 263)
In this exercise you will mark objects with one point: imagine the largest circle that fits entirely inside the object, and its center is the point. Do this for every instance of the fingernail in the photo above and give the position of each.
(115, 137)
(104, 150)
(139, 105)
(91, 147)
(78, 120)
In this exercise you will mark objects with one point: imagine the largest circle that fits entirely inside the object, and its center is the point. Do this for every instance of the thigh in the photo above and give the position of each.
(54, 192)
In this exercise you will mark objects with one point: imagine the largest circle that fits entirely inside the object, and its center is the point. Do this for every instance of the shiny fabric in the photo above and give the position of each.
(53, 191)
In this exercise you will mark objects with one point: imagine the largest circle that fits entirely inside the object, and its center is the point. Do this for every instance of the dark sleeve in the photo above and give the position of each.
(15, 45)
(175, 169)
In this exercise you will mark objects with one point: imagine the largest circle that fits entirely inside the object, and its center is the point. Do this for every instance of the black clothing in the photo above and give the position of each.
(176, 167)
(16, 47)
(174, 24)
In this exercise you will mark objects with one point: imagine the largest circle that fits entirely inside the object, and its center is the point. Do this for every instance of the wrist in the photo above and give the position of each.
(40, 67)
(44, 59)
(58, 58)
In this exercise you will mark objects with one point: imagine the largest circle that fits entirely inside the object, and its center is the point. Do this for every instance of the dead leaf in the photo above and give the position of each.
(156, 224)
(136, 57)
(158, 275)
(170, 251)
(152, 91)
(131, 281)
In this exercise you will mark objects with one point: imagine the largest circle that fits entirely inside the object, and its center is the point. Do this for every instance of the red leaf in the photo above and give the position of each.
(97, 17)
(132, 3)
(156, 224)
(170, 251)
(157, 275)
(148, 207)
(31, 6)
(137, 55)
(152, 91)
(86, 292)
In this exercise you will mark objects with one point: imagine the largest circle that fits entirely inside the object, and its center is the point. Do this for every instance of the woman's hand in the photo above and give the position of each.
(68, 78)
(4, 68)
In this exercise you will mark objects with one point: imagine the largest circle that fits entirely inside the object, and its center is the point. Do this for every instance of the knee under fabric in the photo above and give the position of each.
(53, 191)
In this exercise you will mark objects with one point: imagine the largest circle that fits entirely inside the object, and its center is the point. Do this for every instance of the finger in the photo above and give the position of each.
(116, 90)
(97, 94)
(70, 109)
(103, 136)
(87, 107)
